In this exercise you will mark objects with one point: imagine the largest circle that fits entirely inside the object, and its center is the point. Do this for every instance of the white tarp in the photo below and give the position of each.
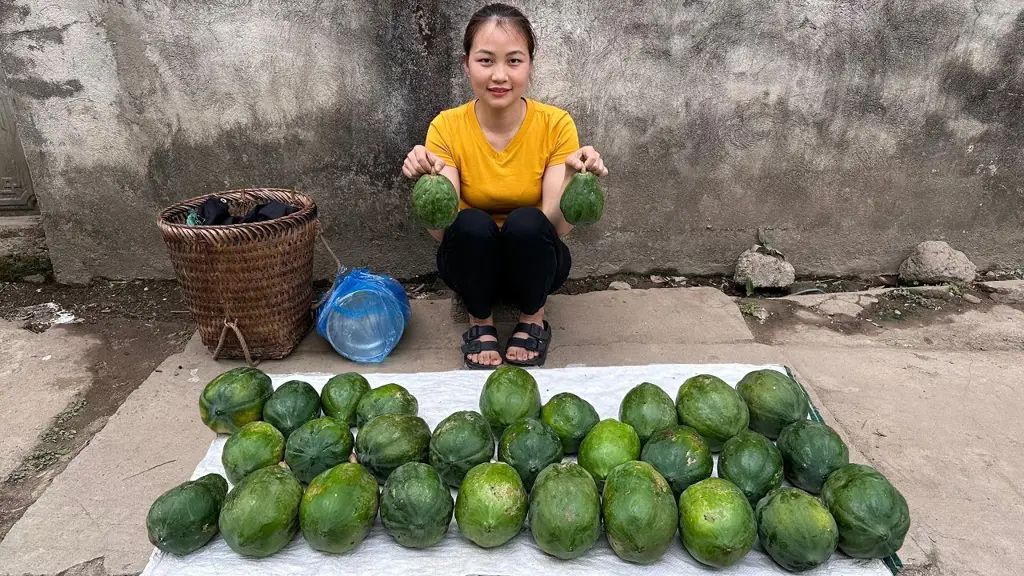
(440, 394)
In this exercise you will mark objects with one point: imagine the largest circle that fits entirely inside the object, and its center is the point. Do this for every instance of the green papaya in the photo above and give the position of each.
(571, 417)
(387, 399)
(184, 518)
(341, 395)
(751, 462)
(317, 445)
(680, 455)
(416, 506)
(491, 505)
(712, 408)
(872, 515)
(565, 511)
(529, 446)
(435, 203)
(639, 512)
(716, 522)
(774, 399)
(796, 529)
(293, 404)
(811, 451)
(256, 445)
(648, 408)
(582, 202)
(234, 398)
(260, 515)
(460, 441)
(608, 444)
(509, 394)
(390, 440)
(338, 508)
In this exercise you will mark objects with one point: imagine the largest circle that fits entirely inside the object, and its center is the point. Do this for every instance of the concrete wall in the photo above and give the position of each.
(852, 128)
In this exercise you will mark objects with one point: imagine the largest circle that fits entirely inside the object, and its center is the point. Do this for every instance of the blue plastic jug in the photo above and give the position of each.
(364, 315)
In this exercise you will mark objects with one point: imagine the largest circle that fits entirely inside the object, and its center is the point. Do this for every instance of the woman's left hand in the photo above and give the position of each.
(586, 158)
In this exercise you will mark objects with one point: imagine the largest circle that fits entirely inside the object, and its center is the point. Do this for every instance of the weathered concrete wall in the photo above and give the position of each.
(852, 129)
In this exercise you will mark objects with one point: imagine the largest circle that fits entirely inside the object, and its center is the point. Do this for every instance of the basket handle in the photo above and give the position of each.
(320, 234)
(241, 339)
(322, 299)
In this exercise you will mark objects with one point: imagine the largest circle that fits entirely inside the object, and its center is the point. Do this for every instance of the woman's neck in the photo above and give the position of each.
(501, 120)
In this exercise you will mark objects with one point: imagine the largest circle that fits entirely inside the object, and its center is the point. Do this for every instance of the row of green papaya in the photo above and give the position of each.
(667, 444)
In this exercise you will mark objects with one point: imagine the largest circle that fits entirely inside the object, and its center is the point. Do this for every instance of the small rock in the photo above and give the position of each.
(35, 279)
(935, 261)
(841, 307)
(972, 299)
(931, 291)
(658, 279)
(764, 271)
(620, 285)
(867, 300)
(1012, 297)
(1001, 286)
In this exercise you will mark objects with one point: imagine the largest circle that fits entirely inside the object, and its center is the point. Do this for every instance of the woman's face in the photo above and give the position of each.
(498, 65)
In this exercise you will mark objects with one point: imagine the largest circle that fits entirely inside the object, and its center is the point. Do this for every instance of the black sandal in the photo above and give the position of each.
(538, 339)
(471, 345)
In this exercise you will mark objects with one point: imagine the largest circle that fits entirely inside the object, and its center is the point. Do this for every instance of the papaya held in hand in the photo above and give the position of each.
(582, 202)
(434, 201)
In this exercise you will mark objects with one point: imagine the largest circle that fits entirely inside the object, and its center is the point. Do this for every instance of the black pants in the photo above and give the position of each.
(521, 263)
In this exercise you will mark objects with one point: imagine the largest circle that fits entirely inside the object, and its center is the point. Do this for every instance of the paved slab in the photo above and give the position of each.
(1003, 286)
(662, 315)
(97, 507)
(672, 318)
(685, 315)
(39, 375)
(945, 427)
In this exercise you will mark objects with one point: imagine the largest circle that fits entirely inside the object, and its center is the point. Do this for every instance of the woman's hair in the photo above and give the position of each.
(506, 16)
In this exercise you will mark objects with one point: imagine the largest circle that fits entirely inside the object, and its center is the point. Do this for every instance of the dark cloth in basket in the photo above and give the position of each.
(214, 212)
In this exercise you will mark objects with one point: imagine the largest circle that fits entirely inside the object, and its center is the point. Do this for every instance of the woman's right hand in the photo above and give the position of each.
(421, 161)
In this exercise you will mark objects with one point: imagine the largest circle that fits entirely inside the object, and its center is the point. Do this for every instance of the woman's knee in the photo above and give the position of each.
(525, 222)
(473, 223)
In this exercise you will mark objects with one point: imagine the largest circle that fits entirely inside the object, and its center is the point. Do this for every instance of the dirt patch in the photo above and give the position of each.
(139, 325)
(769, 318)
(150, 301)
(17, 266)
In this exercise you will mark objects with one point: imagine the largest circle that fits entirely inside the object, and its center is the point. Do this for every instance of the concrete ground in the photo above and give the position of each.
(930, 403)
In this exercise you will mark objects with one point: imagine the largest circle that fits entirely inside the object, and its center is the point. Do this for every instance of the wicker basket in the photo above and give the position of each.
(255, 279)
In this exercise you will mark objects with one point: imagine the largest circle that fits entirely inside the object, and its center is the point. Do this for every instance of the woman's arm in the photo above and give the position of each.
(553, 184)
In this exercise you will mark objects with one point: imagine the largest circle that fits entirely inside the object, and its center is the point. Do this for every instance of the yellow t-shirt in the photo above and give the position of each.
(500, 182)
